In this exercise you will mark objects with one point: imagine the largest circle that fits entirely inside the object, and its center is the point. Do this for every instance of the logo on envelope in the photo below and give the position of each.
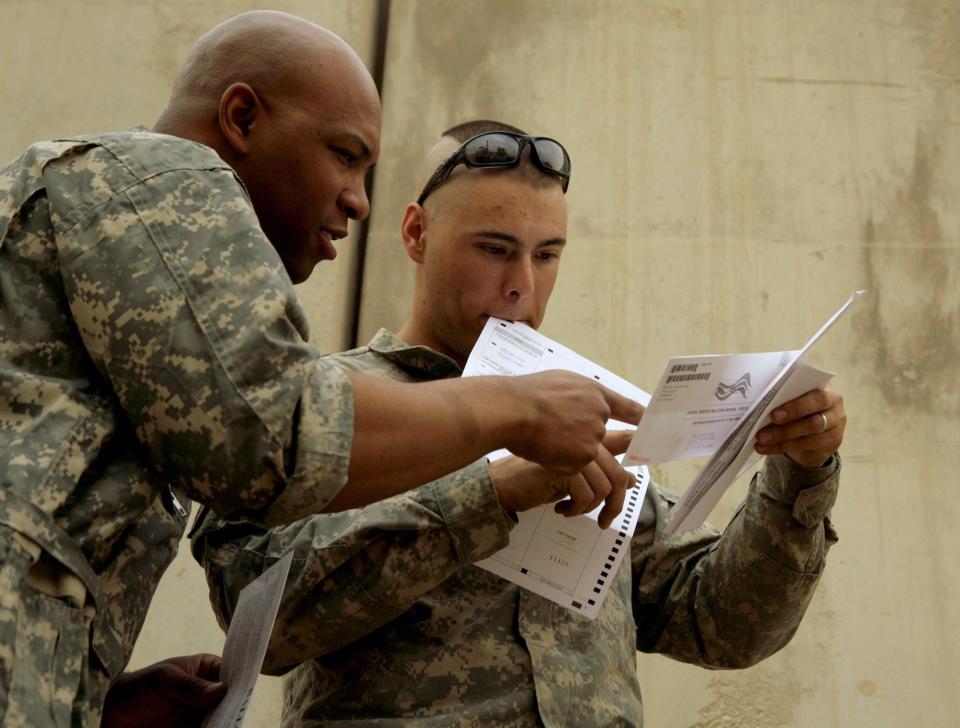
(742, 385)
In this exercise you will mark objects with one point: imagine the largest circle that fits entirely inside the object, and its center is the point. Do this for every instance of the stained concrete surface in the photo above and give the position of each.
(738, 169)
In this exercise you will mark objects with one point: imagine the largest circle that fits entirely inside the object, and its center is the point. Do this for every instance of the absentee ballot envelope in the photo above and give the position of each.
(716, 405)
(570, 561)
(698, 402)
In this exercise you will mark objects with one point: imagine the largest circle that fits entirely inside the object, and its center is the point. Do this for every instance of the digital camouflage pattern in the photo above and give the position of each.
(395, 627)
(151, 346)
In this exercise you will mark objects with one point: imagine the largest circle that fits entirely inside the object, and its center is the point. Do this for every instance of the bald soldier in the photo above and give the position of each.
(387, 621)
(153, 350)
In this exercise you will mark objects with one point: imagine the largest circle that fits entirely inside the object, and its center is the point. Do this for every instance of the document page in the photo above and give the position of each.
(246, 644)
(698, 402)
(570, 561)
(710, 409)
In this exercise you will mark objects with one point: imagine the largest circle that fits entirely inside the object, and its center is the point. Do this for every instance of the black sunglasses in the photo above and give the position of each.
(502, 149)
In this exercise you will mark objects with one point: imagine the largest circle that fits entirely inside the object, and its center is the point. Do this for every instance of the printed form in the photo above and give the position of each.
(703, 405)
(715, 405)
(246, 644)
(570, 561)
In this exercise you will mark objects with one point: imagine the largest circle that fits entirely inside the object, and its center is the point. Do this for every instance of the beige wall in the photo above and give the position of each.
(739, 168)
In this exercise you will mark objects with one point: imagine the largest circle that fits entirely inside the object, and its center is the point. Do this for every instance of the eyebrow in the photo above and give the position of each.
(506, 238)
(365, 150)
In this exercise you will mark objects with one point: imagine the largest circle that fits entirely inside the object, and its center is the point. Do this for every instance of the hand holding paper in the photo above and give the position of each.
(691, 408)
(808, 429)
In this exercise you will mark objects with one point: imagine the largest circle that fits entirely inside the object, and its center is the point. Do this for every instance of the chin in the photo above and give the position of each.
(299, 271)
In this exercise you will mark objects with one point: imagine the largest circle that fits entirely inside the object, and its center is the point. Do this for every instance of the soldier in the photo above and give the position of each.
(386, 619)
(153, 350)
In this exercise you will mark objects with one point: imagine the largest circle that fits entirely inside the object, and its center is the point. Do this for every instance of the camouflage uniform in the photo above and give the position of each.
(395, 627)
(151, 345)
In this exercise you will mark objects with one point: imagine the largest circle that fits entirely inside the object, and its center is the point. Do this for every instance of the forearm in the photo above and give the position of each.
(736, 599)
(408, 434)
(357, 570)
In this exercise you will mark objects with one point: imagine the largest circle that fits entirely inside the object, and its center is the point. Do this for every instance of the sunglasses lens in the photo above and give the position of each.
(552, 155)
(491, 149)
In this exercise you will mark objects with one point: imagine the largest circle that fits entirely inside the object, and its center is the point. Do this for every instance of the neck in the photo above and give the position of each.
(178, 125)
(416, 333)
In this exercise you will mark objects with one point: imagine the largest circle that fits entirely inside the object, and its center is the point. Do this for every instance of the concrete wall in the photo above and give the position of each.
(739, 168)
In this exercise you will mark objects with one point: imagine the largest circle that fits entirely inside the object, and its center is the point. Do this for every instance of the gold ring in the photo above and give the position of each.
(823, 427)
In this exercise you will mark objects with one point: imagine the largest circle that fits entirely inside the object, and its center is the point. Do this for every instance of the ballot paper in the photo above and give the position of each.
(571, 561)
(246, 643)
(716, 405)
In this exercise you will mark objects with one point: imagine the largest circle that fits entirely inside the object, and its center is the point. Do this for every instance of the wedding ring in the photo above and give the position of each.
(823, 427)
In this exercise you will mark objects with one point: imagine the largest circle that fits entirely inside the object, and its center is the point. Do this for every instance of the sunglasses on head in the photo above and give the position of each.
(500, 149)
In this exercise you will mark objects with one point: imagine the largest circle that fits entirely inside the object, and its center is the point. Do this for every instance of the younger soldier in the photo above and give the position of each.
(386, 619)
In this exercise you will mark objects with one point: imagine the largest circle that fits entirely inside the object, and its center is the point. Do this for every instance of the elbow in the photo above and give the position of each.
(279, 660)
(747, 646)
(746, 655)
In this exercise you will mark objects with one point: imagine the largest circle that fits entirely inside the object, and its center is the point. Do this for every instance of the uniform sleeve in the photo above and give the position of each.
(188, 314)
(730, 600)
(354, 571)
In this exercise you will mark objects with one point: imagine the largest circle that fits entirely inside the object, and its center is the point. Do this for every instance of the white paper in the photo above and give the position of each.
(736, 453)
(570, 561)
(698, 402)
(246, 644)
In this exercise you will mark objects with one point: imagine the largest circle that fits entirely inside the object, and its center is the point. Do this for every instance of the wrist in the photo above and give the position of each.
(502, 475)
(814, 461)
(513, 421)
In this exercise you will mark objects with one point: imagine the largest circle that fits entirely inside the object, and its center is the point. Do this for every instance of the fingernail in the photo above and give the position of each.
(764, 437)
(779, 415)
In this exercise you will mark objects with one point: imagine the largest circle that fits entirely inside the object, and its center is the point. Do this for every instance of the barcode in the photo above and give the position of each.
(683, 368)
(702, 377)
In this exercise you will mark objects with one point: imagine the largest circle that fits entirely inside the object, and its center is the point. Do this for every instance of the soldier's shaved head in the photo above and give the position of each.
(278, 54)
(292, 108)
(447, 146)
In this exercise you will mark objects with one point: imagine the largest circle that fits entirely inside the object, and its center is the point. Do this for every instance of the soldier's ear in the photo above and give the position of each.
(240, 109)
(413, 229)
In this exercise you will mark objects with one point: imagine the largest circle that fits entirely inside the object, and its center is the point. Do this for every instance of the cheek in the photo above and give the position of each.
(313, 183)
(545, 284)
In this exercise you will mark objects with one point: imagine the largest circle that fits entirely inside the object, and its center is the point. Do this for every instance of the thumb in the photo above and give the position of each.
(622, 408)
(190, 690)
(617, 441)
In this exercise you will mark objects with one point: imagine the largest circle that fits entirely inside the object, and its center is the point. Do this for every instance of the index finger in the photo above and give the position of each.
(622, 408)
(813, 401)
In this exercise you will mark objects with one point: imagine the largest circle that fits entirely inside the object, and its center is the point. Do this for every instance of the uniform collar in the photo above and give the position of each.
(420, 360)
